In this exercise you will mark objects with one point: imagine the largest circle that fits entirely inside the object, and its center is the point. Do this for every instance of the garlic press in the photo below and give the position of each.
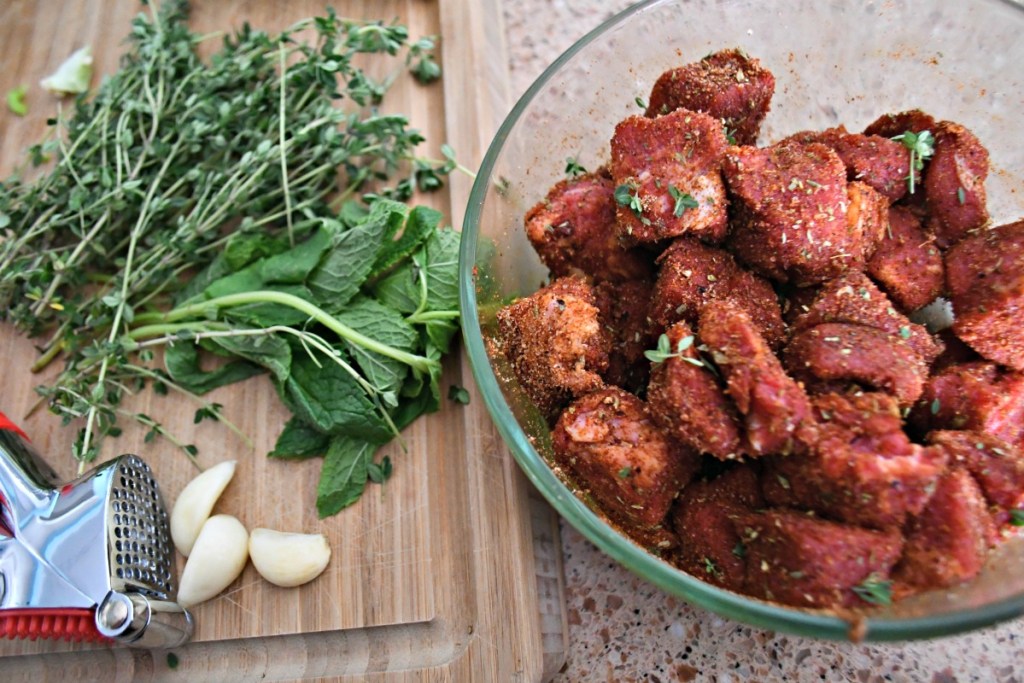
(89, 560)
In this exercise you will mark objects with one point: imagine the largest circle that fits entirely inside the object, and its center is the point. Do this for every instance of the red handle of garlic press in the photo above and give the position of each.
(70, 624)
(5, 423)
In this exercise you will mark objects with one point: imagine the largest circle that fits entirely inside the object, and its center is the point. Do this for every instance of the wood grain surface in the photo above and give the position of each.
(450, 571)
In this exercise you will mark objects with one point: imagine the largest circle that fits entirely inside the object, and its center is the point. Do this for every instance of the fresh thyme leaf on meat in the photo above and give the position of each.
(921, 147)
(874, 589)
(250, 206)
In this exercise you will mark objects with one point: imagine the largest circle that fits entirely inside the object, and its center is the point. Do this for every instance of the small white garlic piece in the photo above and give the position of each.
(217, 558)
(194, 503)
(288, 559)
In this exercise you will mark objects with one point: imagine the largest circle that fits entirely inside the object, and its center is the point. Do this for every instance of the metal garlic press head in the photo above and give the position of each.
(88, 560)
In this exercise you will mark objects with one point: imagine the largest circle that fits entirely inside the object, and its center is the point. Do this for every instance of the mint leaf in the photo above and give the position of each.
(343, 475)
(294, 265)
(349, 259)
(422, 222)
(386, 325)
(298, 439)
(182, 363)
(270, 352)
(328, 398)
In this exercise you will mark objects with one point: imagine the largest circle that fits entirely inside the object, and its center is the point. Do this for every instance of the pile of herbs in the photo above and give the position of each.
(251, 206)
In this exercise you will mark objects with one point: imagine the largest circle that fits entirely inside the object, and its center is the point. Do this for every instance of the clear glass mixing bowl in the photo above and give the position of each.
(834, 62)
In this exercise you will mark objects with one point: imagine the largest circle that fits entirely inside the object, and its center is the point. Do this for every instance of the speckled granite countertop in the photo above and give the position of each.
(623, 629)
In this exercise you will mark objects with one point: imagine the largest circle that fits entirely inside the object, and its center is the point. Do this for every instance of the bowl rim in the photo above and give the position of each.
(593, 526)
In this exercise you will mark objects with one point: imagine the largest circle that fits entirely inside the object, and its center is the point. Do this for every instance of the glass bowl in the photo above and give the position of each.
(834, 62)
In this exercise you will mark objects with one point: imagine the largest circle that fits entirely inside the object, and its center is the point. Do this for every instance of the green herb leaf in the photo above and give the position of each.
(352, 254)
(683, 201)
(875, 590)
(182, 363)
(921, 147)
(573, 168)
(344, 473)
(299, 439)
(625, 472)
(16, 102)
(379, 473)
(458, 394)
(326, 396)
(172, 660)
(628, 195)
(1017, 517)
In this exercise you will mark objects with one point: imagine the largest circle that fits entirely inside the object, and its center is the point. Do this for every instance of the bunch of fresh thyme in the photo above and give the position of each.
(175, 162)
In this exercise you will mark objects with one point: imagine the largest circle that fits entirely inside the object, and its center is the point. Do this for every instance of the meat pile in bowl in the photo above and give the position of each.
(726, 356)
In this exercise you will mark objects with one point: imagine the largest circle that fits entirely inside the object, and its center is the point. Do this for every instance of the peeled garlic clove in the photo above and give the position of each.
(195, 502)
(288, 559)
(217, 558)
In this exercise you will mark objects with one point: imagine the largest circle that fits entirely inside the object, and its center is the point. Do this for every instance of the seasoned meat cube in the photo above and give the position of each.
(997, 466)
(705, 522)
(573, 230)
(728, 85)
(907, 264)
(800, 560)
(954, 183)
(609, 444)
(877, 161)
(843, 352)
(667, 177)
(853, 298)
(555, 343)
(773, 405)
(692, 274)
(985, 278)
(947, 542)
(891, 125)
(686, 400)
(861, 468)
(624, 313)
(975, 396)
(795, 218)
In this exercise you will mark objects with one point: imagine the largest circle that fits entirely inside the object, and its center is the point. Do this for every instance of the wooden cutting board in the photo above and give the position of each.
(452, 569)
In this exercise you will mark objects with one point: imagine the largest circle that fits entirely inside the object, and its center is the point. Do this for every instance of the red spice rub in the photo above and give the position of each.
(907, 264)
(853, 298)
(608, 442)
(705, 522)
(801, 560)
(946, 543)
(573, 230)
(954, 183)
(861, 467)
(795, 218)
(985, 278)
(877, 161)
(728, 85)
(670, 167)
(686, 400)
(834, 353)
(997, 466)
(555, 343)
(692, 274)
(773, 405)
(623, 313)
(976, 396)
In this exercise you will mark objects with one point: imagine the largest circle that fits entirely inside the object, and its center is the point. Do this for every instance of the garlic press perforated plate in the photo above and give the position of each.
(89, 560)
